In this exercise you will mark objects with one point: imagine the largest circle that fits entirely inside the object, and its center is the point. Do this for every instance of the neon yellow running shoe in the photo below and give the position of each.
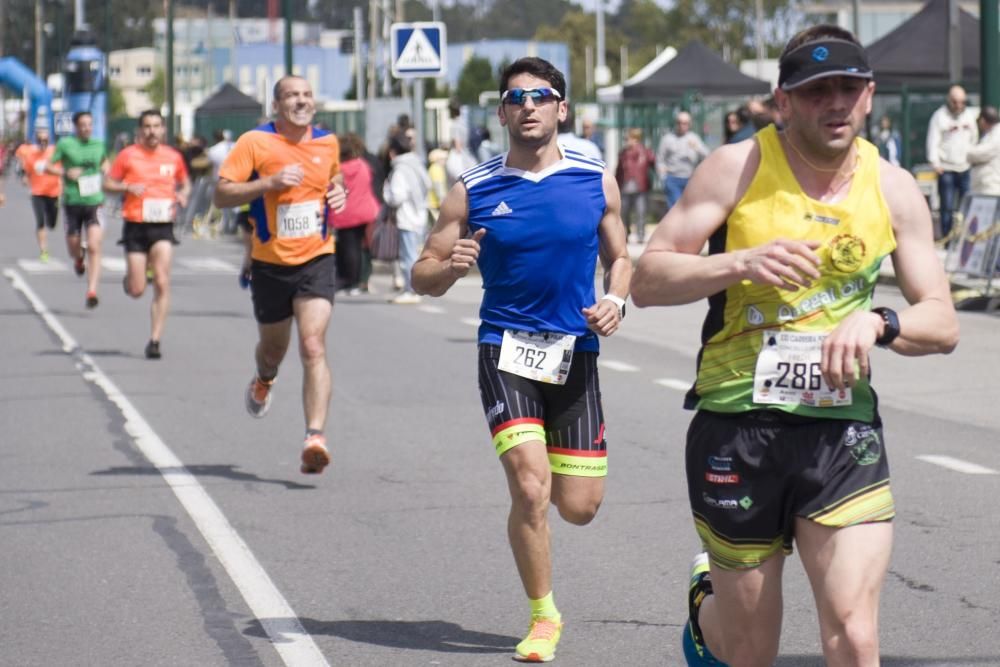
(540, 644)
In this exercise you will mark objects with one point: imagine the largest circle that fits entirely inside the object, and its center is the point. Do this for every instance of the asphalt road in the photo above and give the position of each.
(146, 519)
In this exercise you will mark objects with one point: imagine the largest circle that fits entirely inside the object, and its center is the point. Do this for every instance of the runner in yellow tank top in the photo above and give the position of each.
(786, 447)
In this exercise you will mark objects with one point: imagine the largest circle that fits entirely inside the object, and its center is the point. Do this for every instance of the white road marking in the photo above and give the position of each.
(621, 366)
(471, 321)
(958, 465)
(183, 266)
(673, 383)
(38, 266)
(113, 264)
(293, 644)
(208, 264)
(433, 310)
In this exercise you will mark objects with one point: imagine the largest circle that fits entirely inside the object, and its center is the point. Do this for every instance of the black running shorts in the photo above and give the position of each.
(79, 216)
(46, 211)
(274, 287)
(140, 236)
(568, 418)
(750, 475)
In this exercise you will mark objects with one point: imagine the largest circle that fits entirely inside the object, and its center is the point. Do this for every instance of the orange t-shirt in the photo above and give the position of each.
(161, 170)
(33, 161)
(290, 225)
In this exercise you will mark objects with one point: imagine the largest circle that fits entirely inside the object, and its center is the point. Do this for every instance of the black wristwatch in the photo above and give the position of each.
(891, 330)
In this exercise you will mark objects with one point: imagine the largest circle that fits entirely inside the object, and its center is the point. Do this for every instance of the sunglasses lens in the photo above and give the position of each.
(518, 96)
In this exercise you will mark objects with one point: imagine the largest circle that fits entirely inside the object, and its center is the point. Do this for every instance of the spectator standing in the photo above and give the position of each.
(361, 210)
(487, 147)
(950, 134)
(889, 144)
(985, 156)
(568, 139)
(406, 191)
(738, 125)
(217, 153)
(678, 154)
(634, 164)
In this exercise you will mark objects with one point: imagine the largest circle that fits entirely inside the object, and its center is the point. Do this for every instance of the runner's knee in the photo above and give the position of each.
(853, 638)
(530, 497)
(578, 511)
(313, 348)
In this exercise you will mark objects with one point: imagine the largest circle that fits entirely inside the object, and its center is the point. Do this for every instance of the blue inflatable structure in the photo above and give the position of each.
(14, 75)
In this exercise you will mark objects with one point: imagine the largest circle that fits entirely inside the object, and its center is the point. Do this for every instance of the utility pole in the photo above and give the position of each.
(286, 7)
(233, 77)
(359, 79)
(602, 76)
(373, 35)
(954, 43)
(79, 15)
(169, 74)
(39, 43)
(989, 55)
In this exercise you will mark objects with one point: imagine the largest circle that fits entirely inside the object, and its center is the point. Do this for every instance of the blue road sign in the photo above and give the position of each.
(419, 49)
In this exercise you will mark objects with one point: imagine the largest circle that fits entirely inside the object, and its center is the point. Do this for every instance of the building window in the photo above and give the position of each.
(144, 71)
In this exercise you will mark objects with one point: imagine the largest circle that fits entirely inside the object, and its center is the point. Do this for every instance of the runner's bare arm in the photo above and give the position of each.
(447, 255)
(604, 316)
(229, 193)
(929, 325)
(671, 271)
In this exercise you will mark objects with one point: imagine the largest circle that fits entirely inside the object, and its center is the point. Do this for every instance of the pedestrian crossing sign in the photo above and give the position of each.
(418, 49)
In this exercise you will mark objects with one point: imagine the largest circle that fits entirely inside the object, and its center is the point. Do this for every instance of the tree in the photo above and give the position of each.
(578, 30)
(157, 89)
(116, 101)
(476, 76)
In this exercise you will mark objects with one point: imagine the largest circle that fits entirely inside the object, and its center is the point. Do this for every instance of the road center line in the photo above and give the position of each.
(620, 366)
(293, 644)
(674, 383)
(958, 465)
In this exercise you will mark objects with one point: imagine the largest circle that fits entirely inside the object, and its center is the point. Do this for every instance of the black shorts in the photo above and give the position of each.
(568, 418)
(274, 287)
(46, 211)
(80, 216)
(750, 475)
(140, 236)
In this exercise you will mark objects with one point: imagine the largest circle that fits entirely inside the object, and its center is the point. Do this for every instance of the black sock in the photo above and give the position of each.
(313, 431)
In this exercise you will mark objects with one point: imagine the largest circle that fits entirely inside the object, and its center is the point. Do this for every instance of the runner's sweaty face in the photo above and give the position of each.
(295, 104)
(84, 127)
(531, 124)
(827, 114)
(151, 131)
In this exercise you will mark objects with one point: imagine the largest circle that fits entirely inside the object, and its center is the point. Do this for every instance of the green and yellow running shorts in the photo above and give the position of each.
(750, 475)
(568, 418)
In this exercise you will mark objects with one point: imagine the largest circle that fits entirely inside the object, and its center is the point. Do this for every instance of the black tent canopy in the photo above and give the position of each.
(915, 54)
(229, 100)
(695, 68)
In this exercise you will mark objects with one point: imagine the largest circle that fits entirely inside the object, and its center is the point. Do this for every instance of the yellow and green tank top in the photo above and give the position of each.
(855, 235)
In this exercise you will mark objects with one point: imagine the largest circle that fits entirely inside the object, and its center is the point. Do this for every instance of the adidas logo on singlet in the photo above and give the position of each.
(502, 209)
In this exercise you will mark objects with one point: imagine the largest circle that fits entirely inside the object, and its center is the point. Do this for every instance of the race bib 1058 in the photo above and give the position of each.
(299, 220)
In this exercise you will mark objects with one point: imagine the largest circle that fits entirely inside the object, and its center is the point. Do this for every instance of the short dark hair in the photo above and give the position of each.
(399, 143)
(818, 32)
(80, 114)
(277, 84)
(990, 115)
(536, 67)
(149, 112)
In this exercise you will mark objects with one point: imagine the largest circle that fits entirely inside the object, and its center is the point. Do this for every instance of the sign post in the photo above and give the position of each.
(419, 50)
